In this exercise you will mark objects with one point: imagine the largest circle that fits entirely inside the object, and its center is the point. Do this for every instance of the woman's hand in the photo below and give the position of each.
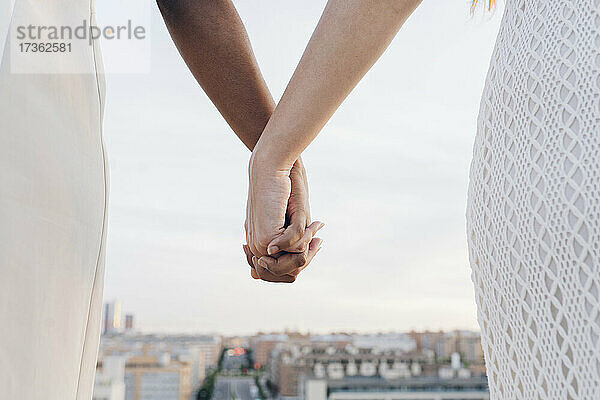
(280, 237)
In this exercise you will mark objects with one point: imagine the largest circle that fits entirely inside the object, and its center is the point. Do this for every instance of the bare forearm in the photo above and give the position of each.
(214, 44)
(350, 37)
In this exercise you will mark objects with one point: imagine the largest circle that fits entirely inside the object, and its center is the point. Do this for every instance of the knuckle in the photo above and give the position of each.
(278, 270)
(299, 232)
(300, 260)
(261, 273)
(293, 234)
(302, 247)
(292, 238)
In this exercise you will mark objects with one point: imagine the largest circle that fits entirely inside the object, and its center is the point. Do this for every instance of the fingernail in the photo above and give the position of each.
(272, 250)
(263, 263)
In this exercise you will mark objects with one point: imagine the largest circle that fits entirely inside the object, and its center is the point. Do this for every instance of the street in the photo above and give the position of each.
(235, 360)
(235, 388)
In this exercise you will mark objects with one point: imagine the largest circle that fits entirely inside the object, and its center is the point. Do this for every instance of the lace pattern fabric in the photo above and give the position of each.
(533, 212)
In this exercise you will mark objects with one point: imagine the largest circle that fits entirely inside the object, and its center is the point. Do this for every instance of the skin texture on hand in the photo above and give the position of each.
(296, 240)
(268, 195)
(280, 251)
(277, 215)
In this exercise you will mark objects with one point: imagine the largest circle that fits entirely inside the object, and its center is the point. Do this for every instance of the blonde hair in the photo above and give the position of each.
(490, 4)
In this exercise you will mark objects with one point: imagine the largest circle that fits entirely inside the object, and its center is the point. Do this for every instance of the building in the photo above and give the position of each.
(209, 346)
(393, 358)
(194, 356)
(469, 347)
(385, 341)
(236, 341)
(263, 345)
(111, 317)
(198, 353)
(129, 322)
(336, 360)
(150, 377)
(413, 388)
(466, 343)
(110, 379)
(443, 344)
(425, 341)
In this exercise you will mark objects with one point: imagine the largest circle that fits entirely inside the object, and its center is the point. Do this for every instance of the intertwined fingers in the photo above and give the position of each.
(296, 257)
(293, 265)
(265, 267)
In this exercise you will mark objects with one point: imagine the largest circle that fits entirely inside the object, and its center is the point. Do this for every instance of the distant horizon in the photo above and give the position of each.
(303, 332)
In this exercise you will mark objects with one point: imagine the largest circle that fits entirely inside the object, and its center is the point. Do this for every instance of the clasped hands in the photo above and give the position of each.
(279, 233)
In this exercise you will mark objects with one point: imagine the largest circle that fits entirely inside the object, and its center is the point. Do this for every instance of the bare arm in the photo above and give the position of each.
(350, 37)
(213, 42)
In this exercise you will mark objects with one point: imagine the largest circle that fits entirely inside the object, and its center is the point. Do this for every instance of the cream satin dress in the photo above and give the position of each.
(53, 197)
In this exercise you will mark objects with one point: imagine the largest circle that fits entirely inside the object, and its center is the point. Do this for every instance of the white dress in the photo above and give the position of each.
(534, 204)
(52, 220)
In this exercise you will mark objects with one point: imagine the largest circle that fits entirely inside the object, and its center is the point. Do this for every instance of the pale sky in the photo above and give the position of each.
(388, 175)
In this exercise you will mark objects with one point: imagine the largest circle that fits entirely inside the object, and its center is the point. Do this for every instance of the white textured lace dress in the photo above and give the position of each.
(52, 216)
(534, 204)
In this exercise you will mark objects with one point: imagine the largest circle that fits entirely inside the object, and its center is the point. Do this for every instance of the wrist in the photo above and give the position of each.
(269, 155)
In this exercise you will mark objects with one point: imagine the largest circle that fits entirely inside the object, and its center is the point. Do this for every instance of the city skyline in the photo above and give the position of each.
(394, 255)
(118, 325)
(272, 366)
